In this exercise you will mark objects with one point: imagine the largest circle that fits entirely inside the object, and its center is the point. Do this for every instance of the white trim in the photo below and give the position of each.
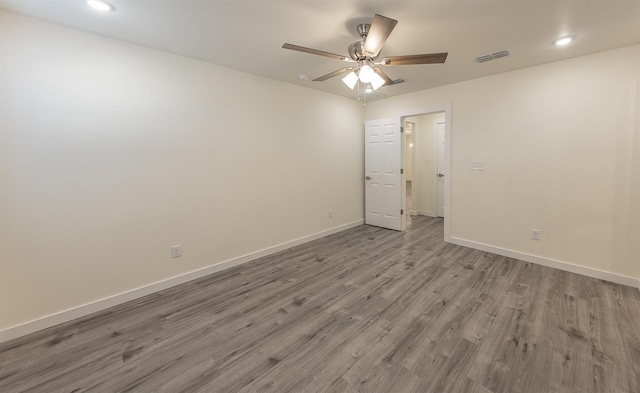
(102, 304)
(566, 266)
(427, 213)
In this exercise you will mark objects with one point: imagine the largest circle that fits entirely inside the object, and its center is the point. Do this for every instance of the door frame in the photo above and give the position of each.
(402, 116)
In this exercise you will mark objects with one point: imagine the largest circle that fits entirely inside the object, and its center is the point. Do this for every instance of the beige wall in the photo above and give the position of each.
(112, 153)
(560, 146)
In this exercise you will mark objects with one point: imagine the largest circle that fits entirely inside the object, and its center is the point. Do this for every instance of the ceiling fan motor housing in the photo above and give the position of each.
(356, 50)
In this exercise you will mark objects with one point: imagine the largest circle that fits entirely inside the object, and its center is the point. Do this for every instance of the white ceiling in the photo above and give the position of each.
(247, 35)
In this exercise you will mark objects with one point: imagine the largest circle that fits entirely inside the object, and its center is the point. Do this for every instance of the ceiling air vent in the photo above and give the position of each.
(494, 55)
(482, 59)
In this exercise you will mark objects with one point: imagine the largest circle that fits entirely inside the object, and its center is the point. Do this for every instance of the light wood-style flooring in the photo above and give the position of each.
(365, 310)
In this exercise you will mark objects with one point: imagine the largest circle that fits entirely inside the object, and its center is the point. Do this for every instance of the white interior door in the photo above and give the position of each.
(440, 169)
(383, 177)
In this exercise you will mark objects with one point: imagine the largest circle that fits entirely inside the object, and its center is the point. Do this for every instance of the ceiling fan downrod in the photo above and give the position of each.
(363, 30)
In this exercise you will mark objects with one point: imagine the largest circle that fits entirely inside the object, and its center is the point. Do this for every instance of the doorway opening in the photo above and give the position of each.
(426, 163)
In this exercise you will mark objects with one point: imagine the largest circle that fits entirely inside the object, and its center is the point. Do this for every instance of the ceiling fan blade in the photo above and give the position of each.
(387, 81)
(316, 52)
(430, 58)
(380, 29)
(332, 74)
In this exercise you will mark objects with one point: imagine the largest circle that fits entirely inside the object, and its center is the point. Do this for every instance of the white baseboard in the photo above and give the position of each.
(427, 213)
(102, 304)
(566, 266)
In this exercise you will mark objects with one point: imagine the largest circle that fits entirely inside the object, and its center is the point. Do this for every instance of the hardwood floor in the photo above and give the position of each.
(365, 310)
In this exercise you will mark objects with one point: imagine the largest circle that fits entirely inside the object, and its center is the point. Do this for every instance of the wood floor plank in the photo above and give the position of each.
(364, 310)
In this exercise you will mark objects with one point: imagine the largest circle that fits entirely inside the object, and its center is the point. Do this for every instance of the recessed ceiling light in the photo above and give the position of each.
(564, 40)
(100, 5)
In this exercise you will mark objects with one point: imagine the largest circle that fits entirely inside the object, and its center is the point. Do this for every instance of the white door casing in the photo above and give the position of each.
(441, 172)
(383, 177)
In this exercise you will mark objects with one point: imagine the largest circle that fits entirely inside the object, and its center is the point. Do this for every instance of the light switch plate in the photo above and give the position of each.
(477, 165)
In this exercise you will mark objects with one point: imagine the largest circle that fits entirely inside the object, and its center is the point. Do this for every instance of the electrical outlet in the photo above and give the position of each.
(330, 213)
(176, 251)
(535, 234)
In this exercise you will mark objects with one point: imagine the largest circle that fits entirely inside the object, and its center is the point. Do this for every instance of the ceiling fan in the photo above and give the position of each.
(365, 55)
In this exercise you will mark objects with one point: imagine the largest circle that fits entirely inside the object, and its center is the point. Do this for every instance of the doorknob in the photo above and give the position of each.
(368, 178)
(440, 174)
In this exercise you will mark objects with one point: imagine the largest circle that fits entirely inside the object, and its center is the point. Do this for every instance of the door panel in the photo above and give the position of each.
(441, 166)
(383, 156)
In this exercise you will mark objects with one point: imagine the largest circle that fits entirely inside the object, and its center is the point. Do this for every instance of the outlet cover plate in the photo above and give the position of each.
(176, 251)
(535, 234)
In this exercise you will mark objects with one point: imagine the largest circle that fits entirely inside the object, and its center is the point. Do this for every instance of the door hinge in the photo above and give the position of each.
(401, 211)
(401, 129)
(401, 171)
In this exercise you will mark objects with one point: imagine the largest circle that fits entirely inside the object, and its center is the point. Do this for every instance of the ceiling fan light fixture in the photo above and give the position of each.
(350, 80)
(366, 74)
(377, 81)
